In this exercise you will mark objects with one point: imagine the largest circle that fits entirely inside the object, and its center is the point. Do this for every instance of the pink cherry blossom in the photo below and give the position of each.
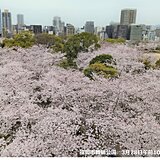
(48, 111)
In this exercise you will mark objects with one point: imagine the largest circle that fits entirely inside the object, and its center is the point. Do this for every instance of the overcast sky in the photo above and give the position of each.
(77, 12)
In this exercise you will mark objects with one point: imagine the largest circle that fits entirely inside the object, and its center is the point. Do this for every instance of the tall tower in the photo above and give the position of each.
(6, 23)
(89, 27)
(57, 24)
(128, 16)
(20, 21)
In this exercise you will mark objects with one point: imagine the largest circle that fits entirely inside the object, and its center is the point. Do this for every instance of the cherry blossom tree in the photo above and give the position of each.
(47, 111)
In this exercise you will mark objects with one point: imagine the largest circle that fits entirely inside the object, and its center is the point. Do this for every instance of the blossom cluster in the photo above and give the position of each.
(47, 111)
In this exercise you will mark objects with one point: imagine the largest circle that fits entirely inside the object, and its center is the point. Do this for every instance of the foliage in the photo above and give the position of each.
(118, 40)
(52, 41)
(80, 43)
(101, 65)
(9, 42)
(157, 64)
(88, 72)
(44, 39)
(24, 39)
(103, 58)
(101, 69)
(147, 64)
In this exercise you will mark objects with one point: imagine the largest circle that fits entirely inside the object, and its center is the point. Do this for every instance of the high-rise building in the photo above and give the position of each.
(36, 29)
(89, 27)
(111, 30)
(6, 24)
(128, 16)
(58, 25)
(20, 21)
(123, 31)
(70, 29)
(136, 32)
(0, 24)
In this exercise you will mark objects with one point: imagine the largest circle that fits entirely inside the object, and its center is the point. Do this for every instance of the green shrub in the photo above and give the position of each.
(100, 69)
(147, 64)
(118, 40)
(88, 72)
(9, 42)
(157, 64)
(103, 58)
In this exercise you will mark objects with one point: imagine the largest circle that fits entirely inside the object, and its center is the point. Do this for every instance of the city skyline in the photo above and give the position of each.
(101, 12)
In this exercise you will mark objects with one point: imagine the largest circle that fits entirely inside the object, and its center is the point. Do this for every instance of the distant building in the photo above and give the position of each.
(103, 35)
(20, 22)
(148, 33)
(6, 24)
(89, 27)
(112, 31)
(0, 24)
(123, 31)
(80, 30)
(36, 29)
(136, 32)
(157, 32)
(128, 16)
(109, 30)
(98, 29)
(48, 29)
(15, 29)
(70, 29)
(58, 26)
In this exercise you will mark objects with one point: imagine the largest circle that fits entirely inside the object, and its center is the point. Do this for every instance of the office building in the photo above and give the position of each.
(89, 27)
(123, 31)
(36, 29)
(128, 16)
(58, 26)
(112, 31)
(136, 32)
(48, 29)
(70, 29)
(6, 24)
(148, 33)
(20, 21)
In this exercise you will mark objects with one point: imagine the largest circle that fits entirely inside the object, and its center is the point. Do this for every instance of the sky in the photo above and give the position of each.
(77, 12)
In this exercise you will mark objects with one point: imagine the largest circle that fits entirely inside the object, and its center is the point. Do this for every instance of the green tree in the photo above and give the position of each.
(24, 39)
(79, 43)
(44, 39)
